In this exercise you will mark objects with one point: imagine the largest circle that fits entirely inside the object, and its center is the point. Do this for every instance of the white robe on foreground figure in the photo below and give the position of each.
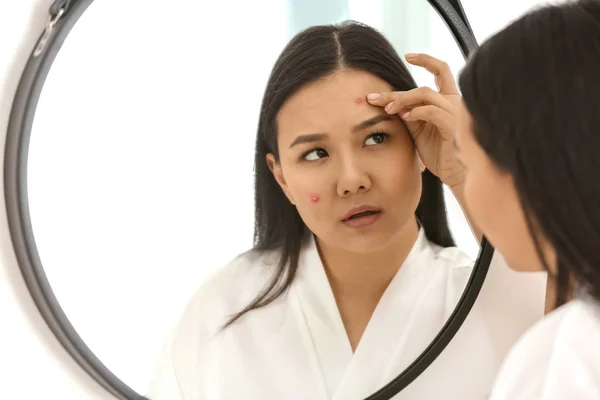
(557, 359)
(297, 347)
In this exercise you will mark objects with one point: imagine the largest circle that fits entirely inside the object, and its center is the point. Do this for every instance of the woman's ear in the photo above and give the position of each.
(277, 172)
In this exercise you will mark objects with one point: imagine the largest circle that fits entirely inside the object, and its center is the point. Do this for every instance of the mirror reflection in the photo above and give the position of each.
(218, 203)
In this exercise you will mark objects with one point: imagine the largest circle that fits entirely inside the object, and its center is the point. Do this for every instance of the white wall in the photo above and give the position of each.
(32, 363)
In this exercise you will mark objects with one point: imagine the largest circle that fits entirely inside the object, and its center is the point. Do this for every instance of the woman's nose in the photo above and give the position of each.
(352, 179)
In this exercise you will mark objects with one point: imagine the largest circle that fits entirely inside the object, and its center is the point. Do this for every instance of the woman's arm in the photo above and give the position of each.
(458, 191)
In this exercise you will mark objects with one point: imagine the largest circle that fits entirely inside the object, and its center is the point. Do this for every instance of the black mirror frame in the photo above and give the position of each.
(63, 16)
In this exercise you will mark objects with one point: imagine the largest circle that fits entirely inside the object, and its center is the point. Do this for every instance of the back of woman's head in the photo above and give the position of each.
(311, 55)
(533, 91)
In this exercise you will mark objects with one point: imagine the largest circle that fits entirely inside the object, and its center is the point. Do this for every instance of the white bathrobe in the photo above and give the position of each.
(297, 347)
(557, 359)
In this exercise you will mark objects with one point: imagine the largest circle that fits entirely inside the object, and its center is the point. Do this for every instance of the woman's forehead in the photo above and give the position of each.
(340, 87)
(339, 96)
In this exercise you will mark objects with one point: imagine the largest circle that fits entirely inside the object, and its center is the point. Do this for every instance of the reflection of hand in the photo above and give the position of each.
(431, 118)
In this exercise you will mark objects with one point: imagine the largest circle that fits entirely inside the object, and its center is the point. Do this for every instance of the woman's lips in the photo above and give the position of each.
(361, 216)
(360, 209)
(363, 220)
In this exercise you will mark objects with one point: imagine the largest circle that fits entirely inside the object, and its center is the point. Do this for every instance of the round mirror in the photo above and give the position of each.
(161, 222)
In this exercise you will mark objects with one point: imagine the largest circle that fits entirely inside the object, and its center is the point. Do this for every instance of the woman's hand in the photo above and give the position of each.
(431, 118)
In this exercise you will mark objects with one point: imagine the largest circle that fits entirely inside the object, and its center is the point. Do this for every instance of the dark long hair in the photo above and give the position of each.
(312, 54)
(533, 90)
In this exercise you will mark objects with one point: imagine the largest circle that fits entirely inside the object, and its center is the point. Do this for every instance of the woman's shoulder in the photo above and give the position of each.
(244, 269)
(186, 356)
(452, 256)
(244, 273)
(231, 287)
(558, 357)
(568, 325)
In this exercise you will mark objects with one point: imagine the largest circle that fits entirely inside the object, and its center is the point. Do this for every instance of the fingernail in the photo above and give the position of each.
(410, 55)
(405, 115)
(389, 106)
(373, 96)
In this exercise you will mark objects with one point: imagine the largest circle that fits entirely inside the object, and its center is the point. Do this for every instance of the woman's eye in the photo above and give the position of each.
(315, 154)
(376, 138)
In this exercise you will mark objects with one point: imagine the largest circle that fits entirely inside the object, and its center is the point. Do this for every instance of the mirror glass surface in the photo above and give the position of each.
(140, 170)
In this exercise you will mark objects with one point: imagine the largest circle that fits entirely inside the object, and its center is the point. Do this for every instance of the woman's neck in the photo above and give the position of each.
(367, 274)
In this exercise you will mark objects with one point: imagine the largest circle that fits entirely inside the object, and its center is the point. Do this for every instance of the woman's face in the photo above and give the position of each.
(493, 202)
(338, 152)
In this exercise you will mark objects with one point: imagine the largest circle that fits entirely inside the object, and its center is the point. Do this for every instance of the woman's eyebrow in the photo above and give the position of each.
(309, 138)
(372, 121)
(317, 137)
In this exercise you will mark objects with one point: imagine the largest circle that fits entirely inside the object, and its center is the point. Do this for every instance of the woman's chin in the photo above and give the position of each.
(366, 242)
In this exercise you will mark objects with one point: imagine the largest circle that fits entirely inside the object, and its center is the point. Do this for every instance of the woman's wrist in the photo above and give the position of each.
(458, 189)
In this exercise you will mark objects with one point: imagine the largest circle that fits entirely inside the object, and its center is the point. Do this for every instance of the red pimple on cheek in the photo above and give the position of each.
(359, 100)
(314, 198)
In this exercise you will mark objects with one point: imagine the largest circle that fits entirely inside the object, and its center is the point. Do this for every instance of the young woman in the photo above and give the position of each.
(530, 138)
(354, 270)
